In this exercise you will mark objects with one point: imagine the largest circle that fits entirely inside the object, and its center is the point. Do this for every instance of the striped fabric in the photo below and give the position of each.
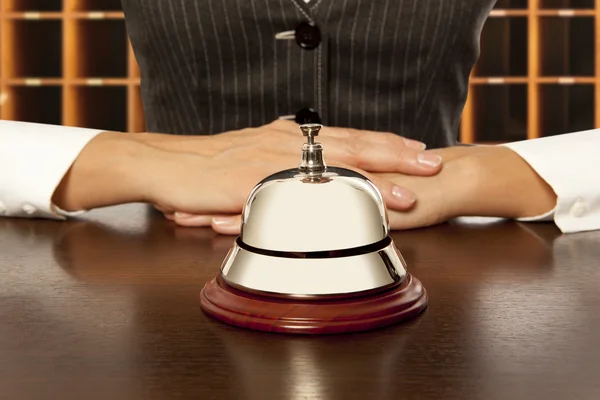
(210, 66)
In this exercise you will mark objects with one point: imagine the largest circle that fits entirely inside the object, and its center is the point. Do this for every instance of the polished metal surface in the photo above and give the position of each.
(333, 212)
(290, 212)
(312, 162)
(314, 208)
(310, 277)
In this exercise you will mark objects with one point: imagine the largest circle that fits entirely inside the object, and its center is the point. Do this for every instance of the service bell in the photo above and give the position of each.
(314, 255)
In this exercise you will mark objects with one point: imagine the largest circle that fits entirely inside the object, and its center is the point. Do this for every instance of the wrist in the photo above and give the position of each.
(110, 170)
(197, 144)
(501, 184)
(484, 186)
(461, 182)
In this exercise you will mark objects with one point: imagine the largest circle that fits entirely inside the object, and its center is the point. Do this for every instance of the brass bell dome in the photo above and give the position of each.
(314, 231)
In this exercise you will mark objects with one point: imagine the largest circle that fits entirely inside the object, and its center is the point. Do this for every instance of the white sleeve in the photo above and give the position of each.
(570, 164)
(33, 160)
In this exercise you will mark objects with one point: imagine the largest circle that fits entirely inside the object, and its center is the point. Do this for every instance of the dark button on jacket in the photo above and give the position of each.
(308, 36)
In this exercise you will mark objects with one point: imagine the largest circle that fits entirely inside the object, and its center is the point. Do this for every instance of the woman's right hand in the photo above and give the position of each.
(367, 150)
(214, 175)
(230, 164)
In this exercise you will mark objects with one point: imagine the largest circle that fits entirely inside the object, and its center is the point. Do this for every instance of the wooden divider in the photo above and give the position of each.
(69, 62)
(533, 70)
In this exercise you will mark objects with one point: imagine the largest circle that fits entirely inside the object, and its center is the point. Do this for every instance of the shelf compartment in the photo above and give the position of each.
(32, 5)
(499, 112)
(566, 108)
(511, 4)
(566, 4)
(32, 49)
(93, 5)
(503, 50)
(40, 104)
(98, 48)
(98, 107)
(567, 48)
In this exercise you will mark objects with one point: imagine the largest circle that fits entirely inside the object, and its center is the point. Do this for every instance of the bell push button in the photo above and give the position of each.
(307, 116)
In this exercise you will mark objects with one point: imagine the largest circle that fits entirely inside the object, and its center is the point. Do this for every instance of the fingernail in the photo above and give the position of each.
(182, 215)
(429, 159)
(415, 144)
(223, 221)
(404, 194)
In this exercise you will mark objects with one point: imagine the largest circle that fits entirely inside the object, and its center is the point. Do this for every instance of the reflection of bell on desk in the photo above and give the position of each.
(314, 255)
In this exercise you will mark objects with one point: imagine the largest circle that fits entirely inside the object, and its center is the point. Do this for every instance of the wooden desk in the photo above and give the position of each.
(107, 308)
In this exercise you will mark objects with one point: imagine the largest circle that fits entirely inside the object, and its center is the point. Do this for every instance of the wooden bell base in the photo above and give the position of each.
(245, 310)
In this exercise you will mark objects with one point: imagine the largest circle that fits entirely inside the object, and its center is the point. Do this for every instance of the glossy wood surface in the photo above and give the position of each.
(107, 308)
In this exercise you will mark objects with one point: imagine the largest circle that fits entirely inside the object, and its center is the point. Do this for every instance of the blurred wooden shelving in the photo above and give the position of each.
(538, 73)
(70, 62)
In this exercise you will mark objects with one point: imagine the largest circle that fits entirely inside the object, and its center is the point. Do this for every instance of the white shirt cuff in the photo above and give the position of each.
(34, 159)
(569, 163)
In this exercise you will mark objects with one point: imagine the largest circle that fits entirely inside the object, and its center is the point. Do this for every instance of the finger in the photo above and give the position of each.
(350, 133)
(185, 219)
(372, 136)
(395, 197)
(403, 221)
(386, 138)
(227, 224)
(382, 152)
(404, 160)
(169, 215)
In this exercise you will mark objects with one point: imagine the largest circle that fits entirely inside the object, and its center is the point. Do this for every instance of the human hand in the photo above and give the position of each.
(489, 181)
(476, 181)
(182, 195)
(116, 168)
(366, 150)
(259, 152)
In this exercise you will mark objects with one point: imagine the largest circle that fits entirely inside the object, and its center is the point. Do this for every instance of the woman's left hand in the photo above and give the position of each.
(475, 181)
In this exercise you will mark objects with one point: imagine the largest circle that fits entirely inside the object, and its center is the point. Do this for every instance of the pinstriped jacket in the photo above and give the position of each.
(210, 66)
